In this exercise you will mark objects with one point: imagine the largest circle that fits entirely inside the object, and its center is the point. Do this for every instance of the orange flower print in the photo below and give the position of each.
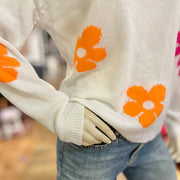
(8, 72)
(146, 105)
(87, 54)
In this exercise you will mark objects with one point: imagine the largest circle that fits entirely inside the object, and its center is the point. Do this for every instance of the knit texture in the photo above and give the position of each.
(120, 64)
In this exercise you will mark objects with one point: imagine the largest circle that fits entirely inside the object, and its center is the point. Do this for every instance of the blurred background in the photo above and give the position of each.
(27, 149)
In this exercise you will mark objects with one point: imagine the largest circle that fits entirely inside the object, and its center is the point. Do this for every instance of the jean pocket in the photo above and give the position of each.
(93, 147)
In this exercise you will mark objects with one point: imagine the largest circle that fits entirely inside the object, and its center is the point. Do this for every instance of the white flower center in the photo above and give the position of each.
(148, 105)
(81, 52)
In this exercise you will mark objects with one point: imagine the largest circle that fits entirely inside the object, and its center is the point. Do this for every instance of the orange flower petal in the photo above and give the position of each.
(140, 95)
(91, 36)
(10, 62)
(7, 67)
(7, 75)
(133, 109)
(97, 54)
(3, 50)
(147, 118)
(158, 109)
(83, 66)
(86, 54)
(137, 93)
(157, 93)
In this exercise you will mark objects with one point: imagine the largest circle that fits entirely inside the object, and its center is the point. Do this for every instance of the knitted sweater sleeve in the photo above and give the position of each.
(20, 84)
(172, 120)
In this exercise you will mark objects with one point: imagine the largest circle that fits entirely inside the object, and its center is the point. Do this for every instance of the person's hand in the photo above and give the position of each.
(92, 134)
(173, 145)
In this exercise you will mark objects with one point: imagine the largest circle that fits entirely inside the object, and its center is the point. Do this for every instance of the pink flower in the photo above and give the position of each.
(178, 50)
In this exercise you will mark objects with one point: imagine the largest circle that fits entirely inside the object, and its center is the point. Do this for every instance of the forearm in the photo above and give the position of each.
(20, 84)
(173, 115)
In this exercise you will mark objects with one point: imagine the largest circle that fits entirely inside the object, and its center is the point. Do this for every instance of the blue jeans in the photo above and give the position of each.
(149, 161)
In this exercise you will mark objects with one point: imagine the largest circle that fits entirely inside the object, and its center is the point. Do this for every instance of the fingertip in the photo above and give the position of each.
(108, 141)
(114, 137)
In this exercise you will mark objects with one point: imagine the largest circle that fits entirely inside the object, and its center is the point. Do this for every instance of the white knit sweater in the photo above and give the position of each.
(120, 58)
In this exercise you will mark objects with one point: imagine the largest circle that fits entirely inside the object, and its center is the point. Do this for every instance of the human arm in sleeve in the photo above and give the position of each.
(172, 120)
(20, 84)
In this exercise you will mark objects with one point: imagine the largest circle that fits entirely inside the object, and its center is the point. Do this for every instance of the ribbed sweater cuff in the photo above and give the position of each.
(70, 126)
